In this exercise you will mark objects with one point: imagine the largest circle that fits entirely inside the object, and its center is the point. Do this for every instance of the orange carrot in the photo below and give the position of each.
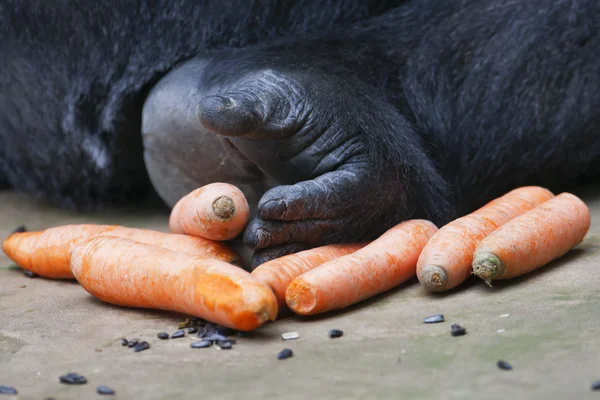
(446, 259)
(533, 239)
(47, 252)
(217, 211)
(132, 274)
(280, 272)
(381, 265)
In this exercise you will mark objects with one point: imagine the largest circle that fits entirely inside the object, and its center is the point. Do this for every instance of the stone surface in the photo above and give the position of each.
(551, 336)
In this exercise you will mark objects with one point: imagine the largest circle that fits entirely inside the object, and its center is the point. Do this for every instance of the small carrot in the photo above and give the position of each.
(47, 252)
(217, 211)
(533, 239)
(446, 259)
(381, 265)
(280, 272)
(132, 274)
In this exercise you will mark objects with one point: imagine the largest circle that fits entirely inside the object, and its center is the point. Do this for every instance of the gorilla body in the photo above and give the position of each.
(341, 123)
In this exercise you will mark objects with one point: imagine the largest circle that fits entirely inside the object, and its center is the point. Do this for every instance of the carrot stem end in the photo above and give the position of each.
(487, 266)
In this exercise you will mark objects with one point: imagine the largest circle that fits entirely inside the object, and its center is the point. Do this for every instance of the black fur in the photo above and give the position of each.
(74, 75)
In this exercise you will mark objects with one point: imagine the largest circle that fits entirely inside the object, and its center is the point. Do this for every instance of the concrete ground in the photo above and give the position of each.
(547, 325)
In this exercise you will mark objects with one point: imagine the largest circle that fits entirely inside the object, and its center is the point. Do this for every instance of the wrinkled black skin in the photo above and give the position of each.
(74, 75)
(426, 111)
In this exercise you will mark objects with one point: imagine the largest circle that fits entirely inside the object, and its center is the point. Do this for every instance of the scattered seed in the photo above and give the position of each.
(285, 353)
(596, 385)
(193, 329)
(99, 350)
(457, 330)
(141, 346)
(335, 333)
(23, 286)
(290, 335)
(73, 378)
(202, 344)
(30, 274)
(433, 319)
(178, 334)
(20, 229)
(223, 345)
(504, 365)
(124, 342)
(215, 337)
(501, 330)
(104, 390)
(504, 315)
(162, 335)
(7, 390)
(201, 332)
(223, 330)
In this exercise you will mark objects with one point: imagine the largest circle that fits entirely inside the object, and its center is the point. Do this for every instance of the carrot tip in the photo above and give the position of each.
(487, 266)
(433, 278)
(224, 207)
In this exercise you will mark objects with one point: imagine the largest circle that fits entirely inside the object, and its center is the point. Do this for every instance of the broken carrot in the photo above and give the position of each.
(47, 252)
(132, 274)
(532, 239)
(280, 272)
(381, 265)
(446, 259)
(217, 211)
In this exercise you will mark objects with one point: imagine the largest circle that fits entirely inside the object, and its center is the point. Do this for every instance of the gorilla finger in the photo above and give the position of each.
(264, 255)
(320, 198)
(261, 234)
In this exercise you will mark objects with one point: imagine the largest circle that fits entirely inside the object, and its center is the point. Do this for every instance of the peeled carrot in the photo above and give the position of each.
(132, 274)
(217, 211)
(280, 272)
(446, 259)
(47, 252)
(533, 239)
(381, 265)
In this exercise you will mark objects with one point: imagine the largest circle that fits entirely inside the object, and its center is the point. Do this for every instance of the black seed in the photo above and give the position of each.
(222, 330)
(141, 346)
(201, 332)
(20, 229)
(215, 337)
(124, 342)
(457, 330)
(7, 390)
(596, 385)
(285, 353)
(162, 335)
(178, 334)
(434, 319)
(73, 378)
(30, 274)
(504, 365)
(104, 390)
(201, 344)
(210, 327)
(224, 344)
(193, 329)
(133, 342)
(335, 333)
(242, 334)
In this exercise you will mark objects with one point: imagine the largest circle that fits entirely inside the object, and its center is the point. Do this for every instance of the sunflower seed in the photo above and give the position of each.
(290, 335)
